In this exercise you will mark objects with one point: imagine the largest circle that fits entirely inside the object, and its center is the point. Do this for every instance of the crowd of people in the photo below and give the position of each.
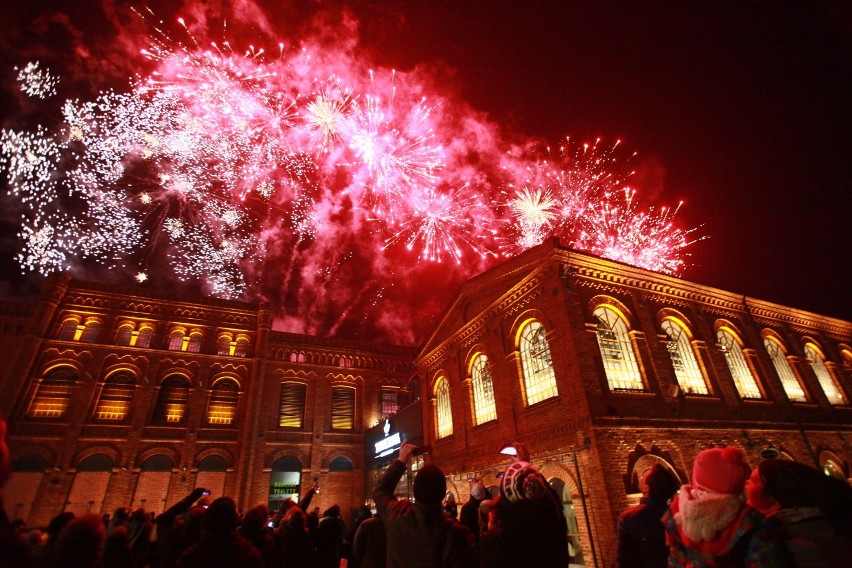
(780, 513)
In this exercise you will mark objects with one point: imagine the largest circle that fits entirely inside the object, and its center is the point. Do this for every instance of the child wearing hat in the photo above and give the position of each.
(709, 524)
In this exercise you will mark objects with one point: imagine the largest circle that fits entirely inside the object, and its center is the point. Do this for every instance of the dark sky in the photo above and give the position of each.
(741, 109)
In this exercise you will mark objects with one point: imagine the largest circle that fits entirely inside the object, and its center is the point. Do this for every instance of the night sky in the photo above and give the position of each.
(740, 109)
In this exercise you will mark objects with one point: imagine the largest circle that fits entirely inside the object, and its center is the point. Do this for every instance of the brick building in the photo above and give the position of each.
(119, 396)
(603, 369)
(124, 396)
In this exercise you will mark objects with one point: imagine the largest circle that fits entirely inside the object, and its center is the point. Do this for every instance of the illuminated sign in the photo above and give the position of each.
(389, 444)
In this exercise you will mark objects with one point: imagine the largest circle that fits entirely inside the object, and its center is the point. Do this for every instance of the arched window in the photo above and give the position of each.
(176, 341)
(826, 381)
(213, 463)
(740, 371)
(90, 332)
(484, 408)
(688, 373)
(194, 345)
(291, 410)
(443, 408)
(68, 330)
(342, 408)
(340, 463)
(789, 382)
(116, 397)
(53, 394)
(241, 348)
(619, 359)
(223, 345)
(223, 402)
(536, 363)
(125, 333)
(171, 402)
(144, 339)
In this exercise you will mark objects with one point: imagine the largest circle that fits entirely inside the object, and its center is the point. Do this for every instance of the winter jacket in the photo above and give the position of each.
(705, 529)
(642, 537)
(811, 540)
(420, 535)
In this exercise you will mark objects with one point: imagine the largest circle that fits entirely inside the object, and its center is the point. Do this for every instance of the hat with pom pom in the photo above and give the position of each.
(720, 470)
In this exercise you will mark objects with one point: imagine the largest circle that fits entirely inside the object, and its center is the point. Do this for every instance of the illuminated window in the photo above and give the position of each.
(116, 397)
(144, 339)
(619, 359)
(388, 401)
(223, 346)
(223, 402)
(688, 373)
(789, 382)
(342, 408)
(826, 381)
(846, 355)
(444, 410)
(484, 408)
(176, 341)
(292, 407)
(740, 371)
(536, 363)
(68, 330)
(90, 332)
(53, 394)
(125, 333)
(241, 348)
(171, 402)
(194, 344)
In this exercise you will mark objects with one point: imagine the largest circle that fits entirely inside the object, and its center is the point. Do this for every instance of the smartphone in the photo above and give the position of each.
(509, 451)
(206, 493)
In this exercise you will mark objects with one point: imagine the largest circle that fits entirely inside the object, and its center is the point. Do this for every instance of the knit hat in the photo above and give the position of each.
(720, 470)
(430, 485)
(522, 481)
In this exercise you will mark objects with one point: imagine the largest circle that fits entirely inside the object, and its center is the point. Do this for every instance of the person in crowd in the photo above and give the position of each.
(451, 509)
(44, 556)
(811, 509)
(178, 528)
(708, 524)
(139, 528)
(254, 527)
(221, 545)
(470, 510)
(418, 533)
(528, 526)
(11, 547)
(369, 547)
(80, 543)
(117, 553)
(329, 539)
(304, 503)
(641, 537)
(361, 515)
(297, 545)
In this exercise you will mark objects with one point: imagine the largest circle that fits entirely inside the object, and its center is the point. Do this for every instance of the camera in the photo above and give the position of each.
(421, 450)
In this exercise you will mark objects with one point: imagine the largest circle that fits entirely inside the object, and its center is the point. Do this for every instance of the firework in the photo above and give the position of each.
(37, 82)
(237, 168)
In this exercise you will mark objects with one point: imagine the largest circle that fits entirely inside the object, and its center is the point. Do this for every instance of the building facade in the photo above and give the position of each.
(129, 397)
(123, 397)
(603, 370)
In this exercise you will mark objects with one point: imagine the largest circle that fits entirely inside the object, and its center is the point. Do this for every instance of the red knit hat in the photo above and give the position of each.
(721, 470)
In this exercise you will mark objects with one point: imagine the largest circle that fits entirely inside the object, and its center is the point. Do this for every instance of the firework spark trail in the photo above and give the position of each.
(223, 161)
(37, 82)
